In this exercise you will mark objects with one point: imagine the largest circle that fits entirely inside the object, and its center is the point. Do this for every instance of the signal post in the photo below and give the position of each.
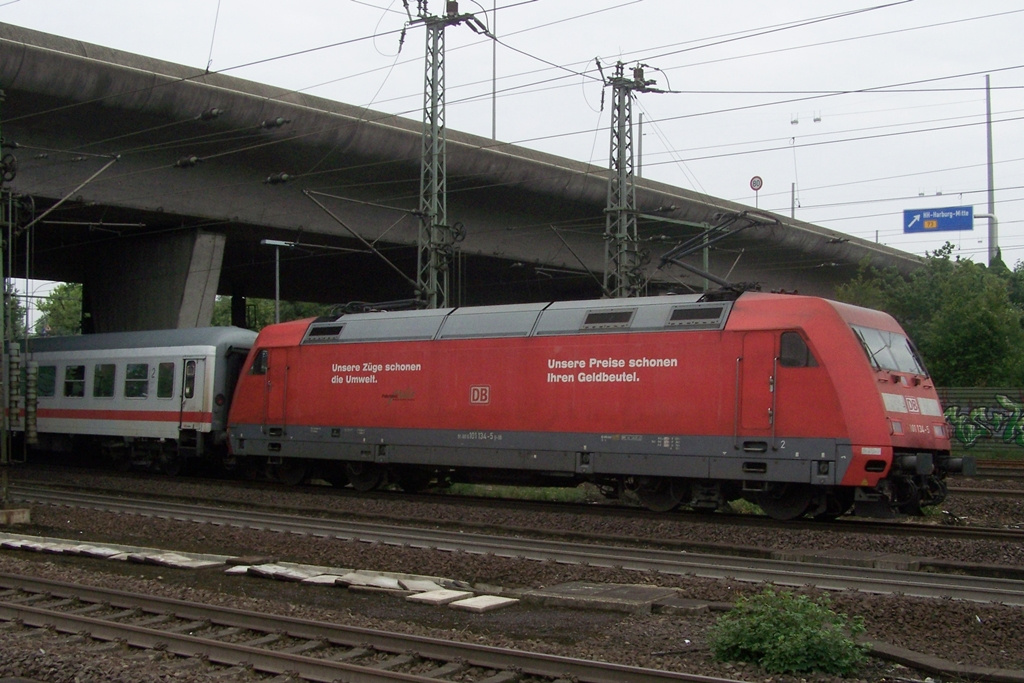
(9, 514)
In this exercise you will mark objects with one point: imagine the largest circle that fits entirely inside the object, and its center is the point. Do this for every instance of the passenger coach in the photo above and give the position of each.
(145, 398)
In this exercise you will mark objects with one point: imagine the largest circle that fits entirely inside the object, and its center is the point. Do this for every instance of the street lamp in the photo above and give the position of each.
(277, 244)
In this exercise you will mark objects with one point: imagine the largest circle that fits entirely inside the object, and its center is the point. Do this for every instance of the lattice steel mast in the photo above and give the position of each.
(436, 243)
(623, 262)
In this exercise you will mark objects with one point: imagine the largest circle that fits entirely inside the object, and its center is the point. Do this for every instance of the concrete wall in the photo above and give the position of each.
(153, 282)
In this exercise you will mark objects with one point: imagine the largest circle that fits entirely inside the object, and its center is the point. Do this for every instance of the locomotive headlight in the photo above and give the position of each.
(219, 399)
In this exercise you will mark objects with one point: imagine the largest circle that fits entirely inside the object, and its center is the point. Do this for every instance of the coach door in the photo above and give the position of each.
(277, 387)
(194, 410)
(756, 410)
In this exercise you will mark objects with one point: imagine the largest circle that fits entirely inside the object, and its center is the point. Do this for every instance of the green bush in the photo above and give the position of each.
(786, 633)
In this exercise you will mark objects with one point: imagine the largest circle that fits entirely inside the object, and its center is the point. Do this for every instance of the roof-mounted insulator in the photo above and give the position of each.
(211, 114)
(187, 162)
(275, 123)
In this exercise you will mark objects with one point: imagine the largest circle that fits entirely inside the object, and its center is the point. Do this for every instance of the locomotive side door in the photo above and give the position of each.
(277, 387)
(757, 384)
(194, 406)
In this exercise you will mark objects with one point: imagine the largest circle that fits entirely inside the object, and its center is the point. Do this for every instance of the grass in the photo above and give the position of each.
(584, 493)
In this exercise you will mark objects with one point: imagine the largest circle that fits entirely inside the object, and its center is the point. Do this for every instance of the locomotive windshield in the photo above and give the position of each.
(889, 351)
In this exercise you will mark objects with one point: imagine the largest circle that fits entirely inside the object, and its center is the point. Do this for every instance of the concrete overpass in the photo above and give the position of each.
(179, 216)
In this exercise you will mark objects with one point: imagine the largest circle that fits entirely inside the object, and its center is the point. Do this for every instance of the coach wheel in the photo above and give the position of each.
(660, 495)
(291, 473)
(364, 476)
(171, 464)
(786, 501)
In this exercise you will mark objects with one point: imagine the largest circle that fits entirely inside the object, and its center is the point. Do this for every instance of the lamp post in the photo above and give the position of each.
(277, 244)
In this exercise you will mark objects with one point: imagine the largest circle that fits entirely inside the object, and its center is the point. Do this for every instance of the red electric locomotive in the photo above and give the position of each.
(800, 404)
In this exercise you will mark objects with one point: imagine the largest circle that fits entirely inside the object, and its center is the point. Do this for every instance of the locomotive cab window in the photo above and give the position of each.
(103, 380)
(890, 351)
(259, 363)
(136, 382)
(794, 352)
(74, 381)
(46, 380)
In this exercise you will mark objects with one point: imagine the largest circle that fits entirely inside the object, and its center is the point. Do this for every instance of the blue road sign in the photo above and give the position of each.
(934, 220)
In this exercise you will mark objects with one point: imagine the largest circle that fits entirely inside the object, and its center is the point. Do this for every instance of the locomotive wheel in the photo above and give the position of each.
(335, 474)
(660, 495)
(413, 479)
(291, 473)
(837, 504)
(786, 501)
(248, 469)
(935, 491)
(909, 497)
(364, 476)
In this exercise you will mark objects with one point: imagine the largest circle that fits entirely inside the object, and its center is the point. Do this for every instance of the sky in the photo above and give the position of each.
(850, 111)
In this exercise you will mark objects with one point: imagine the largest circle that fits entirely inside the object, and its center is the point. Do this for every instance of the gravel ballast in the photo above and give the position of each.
(976, 634)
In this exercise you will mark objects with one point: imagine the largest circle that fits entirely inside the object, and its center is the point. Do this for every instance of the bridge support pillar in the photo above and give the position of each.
(153, 283)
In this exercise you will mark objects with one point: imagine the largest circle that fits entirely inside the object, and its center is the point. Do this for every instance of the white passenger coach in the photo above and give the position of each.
(154, 398)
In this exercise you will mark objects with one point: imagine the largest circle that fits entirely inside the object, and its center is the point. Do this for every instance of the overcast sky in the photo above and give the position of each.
(866, 109)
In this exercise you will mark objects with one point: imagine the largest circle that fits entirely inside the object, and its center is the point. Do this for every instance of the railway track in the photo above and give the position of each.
(821, 572)
(307, 650)
(978, 492)
(1001, 469)
(948, 528)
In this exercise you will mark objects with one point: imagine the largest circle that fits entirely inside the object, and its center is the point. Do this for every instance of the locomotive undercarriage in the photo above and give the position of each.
(915, 479)
(783, 501)
(901, 493)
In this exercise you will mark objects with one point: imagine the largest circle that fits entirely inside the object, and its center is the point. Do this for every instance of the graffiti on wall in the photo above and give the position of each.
(1002, 423)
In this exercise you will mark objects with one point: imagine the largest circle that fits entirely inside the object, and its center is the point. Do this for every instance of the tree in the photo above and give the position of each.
(61, 311)
(14, 322)
(260, 312)
(965, 319)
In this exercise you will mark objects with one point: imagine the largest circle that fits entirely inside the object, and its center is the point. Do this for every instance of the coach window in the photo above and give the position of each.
(793, 352)
(189, 390)
(136, 380)
(165, 380)
(103, 380)
(74, 381)
(46, 380)
(259, 363)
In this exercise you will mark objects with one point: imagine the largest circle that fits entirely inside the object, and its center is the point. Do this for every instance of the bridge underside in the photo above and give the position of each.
(180, 215)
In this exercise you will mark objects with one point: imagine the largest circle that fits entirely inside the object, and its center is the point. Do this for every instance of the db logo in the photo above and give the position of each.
(480, 394)
(912, 405)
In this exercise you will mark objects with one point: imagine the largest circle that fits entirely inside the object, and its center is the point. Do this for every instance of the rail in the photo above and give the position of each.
(781, 571)
(311, 650)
